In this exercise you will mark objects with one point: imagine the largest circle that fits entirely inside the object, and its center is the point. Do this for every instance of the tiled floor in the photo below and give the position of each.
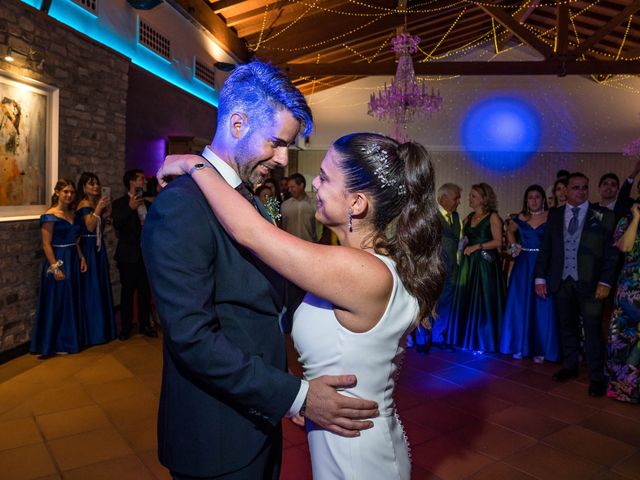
(92, 416)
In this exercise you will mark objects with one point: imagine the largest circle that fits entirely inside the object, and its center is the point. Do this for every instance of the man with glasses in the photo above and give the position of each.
(576, 264)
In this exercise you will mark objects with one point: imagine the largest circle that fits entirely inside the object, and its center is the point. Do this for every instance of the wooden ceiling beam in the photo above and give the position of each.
(204, 16)
(372, 33)
(518, 30)
(548, 67)
(221, 5)
(248, 15)
(562, 29)
(520, 17)
(607, 28)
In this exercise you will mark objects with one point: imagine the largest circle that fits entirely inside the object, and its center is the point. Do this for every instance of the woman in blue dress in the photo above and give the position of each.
(97, 299)
(529, 328)
(57, 327)
(478, 300)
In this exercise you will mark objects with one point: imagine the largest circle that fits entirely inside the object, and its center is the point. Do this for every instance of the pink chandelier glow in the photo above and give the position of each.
(406, 99)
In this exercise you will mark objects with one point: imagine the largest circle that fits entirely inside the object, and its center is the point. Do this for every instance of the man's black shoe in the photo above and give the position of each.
(565, 374)
(124, 335)
(148, 332)
(597, 388)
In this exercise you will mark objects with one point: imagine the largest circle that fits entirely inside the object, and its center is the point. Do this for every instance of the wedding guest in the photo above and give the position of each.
(96, 300)
(576, 264)
(478, 300)
(623, 362)
(608, 187)
(284, 189)
(560, 193)
(129, 214)
(448, 202)
(264, 193)
(57, 327)
(529, 328)
(563, 175)
(298, 212)
(624, 201)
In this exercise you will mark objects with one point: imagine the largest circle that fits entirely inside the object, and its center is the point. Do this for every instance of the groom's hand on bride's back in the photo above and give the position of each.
(338, 413)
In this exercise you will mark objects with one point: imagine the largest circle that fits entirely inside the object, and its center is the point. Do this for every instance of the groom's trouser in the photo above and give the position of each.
(265, 466)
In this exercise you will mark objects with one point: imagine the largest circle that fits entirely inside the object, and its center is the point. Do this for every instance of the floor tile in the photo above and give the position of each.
(431, 387)
(530, 378)
(495, 366)
(106, 369)
(526, 421)
(116, 389)
(127, 411)
(615, 426)
(17, 433)
(464, 376)
(447, 459)
(86, 448)
(559, 408)
(141, 436)
(591, 445)
(509, 390)
(477, 403)
(71, 422)
(28, 462)
(500, 471)
(58, 399)
(622, 409)
(492, 440)
(545, 462)
(125, 468)
(438, 415)
(629, 467)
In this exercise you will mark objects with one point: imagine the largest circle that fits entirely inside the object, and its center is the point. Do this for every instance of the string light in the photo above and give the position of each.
(291, 24)
(444, 36)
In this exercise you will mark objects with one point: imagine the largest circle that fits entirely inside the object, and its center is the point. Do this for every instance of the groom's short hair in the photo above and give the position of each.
(260, 89)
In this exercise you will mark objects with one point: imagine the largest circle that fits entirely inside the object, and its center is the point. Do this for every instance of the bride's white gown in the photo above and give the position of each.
(327, 348)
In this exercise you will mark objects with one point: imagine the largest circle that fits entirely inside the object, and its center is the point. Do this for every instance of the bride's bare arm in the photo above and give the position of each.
(351, 279)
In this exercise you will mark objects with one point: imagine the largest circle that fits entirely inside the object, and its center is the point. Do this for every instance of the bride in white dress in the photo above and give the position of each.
(363, 295)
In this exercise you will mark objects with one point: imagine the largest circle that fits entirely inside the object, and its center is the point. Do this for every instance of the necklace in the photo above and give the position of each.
(539, 212)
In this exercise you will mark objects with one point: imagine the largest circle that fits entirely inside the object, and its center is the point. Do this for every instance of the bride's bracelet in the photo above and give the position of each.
(55, 267)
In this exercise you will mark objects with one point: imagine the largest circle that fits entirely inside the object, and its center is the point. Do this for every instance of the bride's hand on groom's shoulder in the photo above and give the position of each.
(174, 166)
(338, 413)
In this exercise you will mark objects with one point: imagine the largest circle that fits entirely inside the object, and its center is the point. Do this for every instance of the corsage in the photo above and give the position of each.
(55, 267)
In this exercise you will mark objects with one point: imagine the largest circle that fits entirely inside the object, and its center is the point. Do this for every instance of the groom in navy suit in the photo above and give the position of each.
(225, 385)
(576, 263)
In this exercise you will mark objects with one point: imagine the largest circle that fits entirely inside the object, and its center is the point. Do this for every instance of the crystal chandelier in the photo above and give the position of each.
(406, 99)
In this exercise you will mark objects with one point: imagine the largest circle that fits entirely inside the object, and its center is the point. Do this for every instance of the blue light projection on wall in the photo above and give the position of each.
(501, 133)
(85, 22)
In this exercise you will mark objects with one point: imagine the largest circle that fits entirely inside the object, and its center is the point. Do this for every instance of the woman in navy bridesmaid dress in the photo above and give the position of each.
(57, 327)
(96, 300)
(529, 328)
(478, 300)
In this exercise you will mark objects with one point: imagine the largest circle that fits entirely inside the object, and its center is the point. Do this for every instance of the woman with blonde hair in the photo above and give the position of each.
(478, 300)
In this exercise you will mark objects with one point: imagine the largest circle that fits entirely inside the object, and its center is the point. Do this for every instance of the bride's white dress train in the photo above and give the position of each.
(327, 348)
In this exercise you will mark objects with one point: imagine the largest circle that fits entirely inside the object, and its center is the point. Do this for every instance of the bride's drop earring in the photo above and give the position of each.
(350, 213)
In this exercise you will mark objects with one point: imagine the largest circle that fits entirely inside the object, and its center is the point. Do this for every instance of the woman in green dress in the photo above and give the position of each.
(478, 300)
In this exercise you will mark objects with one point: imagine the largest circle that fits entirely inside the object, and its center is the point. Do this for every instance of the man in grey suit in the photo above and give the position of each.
(225, 385)
(576, 264)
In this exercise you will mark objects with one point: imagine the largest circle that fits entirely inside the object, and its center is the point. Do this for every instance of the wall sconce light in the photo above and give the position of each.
(9, 55)
(35, 60)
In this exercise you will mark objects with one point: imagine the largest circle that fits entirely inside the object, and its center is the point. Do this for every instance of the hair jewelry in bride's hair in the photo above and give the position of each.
(383, 170)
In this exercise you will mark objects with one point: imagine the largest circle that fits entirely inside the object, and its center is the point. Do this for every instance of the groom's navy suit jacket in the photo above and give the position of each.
(224, 381)
(597, 256)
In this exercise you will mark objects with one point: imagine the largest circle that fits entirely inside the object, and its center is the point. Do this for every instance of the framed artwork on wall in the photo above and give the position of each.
(28, 146)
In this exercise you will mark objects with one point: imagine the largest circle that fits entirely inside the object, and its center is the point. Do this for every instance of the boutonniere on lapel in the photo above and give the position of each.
(273, 209)
(596, 218)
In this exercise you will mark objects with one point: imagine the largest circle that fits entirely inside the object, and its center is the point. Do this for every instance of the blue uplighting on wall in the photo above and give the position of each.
(34, 3)
(85, 22)
(501, 133)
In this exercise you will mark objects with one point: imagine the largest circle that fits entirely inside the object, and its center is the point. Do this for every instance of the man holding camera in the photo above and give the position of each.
(129, 213)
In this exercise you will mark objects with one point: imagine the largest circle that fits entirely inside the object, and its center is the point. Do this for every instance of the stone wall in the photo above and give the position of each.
(92, 81)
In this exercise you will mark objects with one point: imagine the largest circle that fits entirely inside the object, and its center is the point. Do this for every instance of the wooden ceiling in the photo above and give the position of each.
(323, 43)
